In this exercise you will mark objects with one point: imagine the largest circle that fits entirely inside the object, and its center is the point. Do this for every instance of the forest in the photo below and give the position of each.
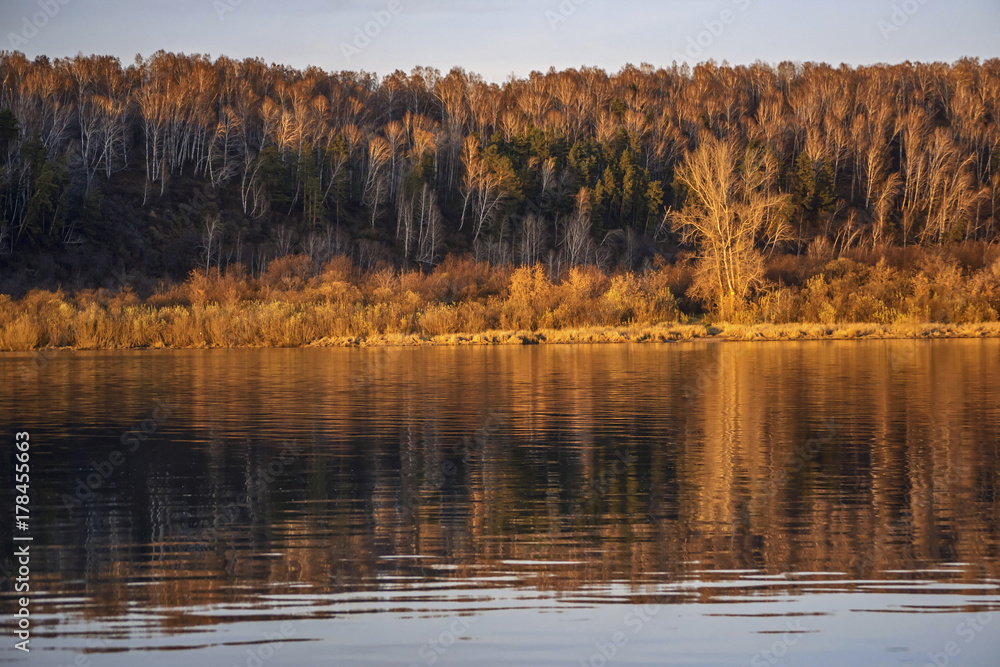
(739, 187)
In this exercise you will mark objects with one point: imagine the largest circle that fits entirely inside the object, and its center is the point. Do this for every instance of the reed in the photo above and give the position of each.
(920, 292)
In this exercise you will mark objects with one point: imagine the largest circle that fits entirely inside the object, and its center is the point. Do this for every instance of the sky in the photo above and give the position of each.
(497, 38)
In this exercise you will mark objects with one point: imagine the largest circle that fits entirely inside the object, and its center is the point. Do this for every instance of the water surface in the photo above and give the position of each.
(816, 503)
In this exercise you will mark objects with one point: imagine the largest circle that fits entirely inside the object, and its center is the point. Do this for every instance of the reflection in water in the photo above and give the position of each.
(519, 503)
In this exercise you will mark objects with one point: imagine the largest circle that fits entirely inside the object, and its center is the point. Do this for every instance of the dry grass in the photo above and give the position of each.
(294, 304)
(920, 293)
(678, 333)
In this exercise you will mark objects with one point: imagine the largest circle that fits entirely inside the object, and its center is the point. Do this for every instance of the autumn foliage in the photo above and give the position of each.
(291, 305)
(145, 170)
(179, 200)
(295, 303)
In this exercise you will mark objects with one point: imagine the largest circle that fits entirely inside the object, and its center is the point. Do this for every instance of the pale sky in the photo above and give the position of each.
(499, 37)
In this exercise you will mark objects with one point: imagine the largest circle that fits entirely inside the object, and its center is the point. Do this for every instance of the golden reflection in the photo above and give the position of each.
(646, 464)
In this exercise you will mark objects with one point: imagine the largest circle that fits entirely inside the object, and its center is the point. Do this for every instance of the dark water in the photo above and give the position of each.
(712, 504)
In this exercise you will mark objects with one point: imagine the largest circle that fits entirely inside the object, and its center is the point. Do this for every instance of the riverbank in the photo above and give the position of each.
(599, 335)
(295, 304)
(667, 333)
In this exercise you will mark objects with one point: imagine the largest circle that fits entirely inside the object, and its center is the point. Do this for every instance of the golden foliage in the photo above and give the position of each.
(293, 304)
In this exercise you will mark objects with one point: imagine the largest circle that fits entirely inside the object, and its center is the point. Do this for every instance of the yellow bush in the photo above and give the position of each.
(529, 293)
(440, 319)
(19, 333)
(291, 306)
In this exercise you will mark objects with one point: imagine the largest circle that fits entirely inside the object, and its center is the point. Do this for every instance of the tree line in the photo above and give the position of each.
(177, 161)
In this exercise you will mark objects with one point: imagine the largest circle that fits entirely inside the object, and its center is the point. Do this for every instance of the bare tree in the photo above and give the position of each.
(376, 187)
(431, 231)
(211, 241)
(577, 244)
(483, 190)
(732, 208)
(530, 240)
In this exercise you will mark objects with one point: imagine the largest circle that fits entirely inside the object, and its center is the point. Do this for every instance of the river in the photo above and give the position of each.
(813, 503)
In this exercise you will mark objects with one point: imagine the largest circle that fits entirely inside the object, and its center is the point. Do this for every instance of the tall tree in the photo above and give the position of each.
(731, 210)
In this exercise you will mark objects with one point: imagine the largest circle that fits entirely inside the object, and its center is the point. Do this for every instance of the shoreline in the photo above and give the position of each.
(677, 333)
(607, 335)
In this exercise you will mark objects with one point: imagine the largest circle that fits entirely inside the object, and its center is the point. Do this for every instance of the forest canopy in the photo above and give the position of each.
(144, 172)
